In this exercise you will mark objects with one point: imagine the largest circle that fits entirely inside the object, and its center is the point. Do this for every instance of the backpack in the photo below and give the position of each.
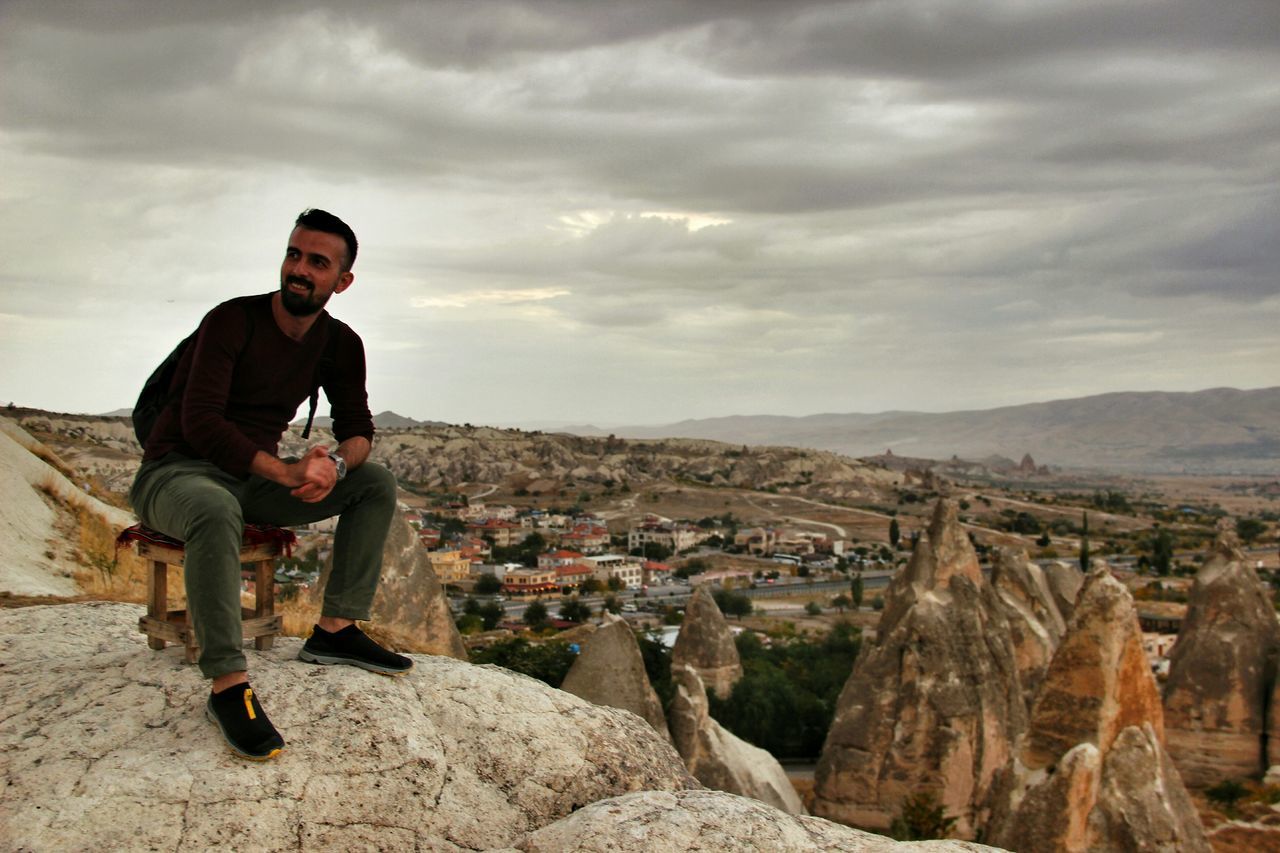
(158, 392)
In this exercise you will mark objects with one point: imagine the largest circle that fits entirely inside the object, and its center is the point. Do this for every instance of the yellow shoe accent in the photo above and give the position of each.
(248, 703)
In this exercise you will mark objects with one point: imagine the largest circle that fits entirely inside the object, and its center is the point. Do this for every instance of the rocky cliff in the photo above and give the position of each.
(1092, 772)
(1221, 671)
(719, 759)
(103, 745)
(610, 671)
(1035, 625)
(934, 703)
(705, 644)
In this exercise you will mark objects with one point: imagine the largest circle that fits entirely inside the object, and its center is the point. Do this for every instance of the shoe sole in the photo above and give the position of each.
(239, 753)
(335, 660)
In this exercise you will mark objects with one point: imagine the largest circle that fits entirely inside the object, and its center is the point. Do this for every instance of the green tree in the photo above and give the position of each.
(1226, 795)
(895, 532)
(487, 584)
(921, 819)
(535, 615)
(733, 603)
(491, 613)
(591, 585)
(612, 604)
(469, 623)
(840, 602)
(813, 608)
(855, 590)
(1250, 529)
(574, 610)
(1162, 552)
(1084, 544)
(471, 607)
(548, 662)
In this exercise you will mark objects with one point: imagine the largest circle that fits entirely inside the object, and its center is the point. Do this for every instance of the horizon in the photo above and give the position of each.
(646, 215)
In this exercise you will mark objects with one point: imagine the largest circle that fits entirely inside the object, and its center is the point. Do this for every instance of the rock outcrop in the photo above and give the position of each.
(104, 745)
(719, 759)
(1221, 672)
(1065, 581)
(1035, 625)
(1092, 772)
(661, 822)
(705, 643)
(410, 608)
(934, 703)
(610, 671)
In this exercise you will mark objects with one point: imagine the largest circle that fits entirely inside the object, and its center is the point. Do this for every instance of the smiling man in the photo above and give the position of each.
(210, 465)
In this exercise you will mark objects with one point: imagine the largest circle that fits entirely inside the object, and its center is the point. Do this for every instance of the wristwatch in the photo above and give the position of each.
(339, 463)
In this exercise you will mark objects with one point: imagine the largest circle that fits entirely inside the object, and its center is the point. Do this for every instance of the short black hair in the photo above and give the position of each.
(315, 219)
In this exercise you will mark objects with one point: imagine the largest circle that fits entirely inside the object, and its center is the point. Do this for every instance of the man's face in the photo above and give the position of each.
(312, 271)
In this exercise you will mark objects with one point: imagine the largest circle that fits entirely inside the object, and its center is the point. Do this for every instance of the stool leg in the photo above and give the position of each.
(264, 599)
(157, 598)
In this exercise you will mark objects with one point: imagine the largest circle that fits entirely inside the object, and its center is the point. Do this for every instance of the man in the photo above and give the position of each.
(210, 466)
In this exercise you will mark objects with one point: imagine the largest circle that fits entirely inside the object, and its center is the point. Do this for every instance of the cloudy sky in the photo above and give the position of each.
(640, 212)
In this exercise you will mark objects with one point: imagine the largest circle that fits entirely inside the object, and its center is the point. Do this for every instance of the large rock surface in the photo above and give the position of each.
(705, 643)
(1035, 624)
(610, 671)
(1221, 671)
(104, 745)
(1065, 581)
(720, 759)
(664, 822)
(934, 703)
(1092, 772)
(410, 608)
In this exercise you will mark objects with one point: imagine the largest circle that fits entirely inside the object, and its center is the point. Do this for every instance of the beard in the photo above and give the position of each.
(300, 304)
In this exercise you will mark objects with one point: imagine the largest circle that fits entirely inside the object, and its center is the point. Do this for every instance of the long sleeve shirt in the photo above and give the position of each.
(242, 380)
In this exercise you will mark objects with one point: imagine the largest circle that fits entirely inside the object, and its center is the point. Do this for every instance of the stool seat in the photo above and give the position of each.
(261, 546)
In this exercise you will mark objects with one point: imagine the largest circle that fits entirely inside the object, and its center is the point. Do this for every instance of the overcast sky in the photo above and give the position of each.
(624, 213)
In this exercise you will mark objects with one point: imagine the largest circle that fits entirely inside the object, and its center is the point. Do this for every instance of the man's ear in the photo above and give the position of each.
(344, 281)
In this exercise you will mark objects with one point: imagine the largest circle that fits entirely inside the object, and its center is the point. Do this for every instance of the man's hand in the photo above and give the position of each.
(316, 474)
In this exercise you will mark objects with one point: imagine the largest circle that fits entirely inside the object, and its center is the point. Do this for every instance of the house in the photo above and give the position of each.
(726, 578)
(526, 583)
(503, 534)
(673, 536)
(761, 541)
(587, 538)
(656, 573)
(574, 574)
(629, 570)
(450, 566)
(556, 559)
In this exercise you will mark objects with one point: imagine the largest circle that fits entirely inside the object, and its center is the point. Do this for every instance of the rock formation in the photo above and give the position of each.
(1092, 772)
(933, 703)
(1221, 671)
(410, 609)
(610, 671)
(1065, 581)
(660, 822)
(104, 746)
(719, 759)
(706, 644)
(1035, 625)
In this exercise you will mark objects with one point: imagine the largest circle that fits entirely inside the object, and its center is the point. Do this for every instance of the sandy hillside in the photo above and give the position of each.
(35, 559)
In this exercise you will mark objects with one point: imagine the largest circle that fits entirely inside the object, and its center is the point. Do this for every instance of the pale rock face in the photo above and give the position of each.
(1092, 772)
(610, 671)
(104, 745)
(1065, 581)
(1221, 672)
(1035, 624)
(719, 759)
(410, 605)
(935, 702)
(662, 822)
(705, 643)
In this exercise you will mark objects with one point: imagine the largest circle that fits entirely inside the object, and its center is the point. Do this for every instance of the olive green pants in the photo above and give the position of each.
(207, 508)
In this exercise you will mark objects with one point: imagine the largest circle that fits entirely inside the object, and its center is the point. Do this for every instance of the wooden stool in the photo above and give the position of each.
(261, 546)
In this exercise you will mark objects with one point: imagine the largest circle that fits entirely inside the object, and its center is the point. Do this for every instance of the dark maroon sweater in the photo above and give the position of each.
(235, 395)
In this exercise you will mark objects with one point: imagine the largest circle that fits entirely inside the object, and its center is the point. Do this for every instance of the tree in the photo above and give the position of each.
(591, 585)
(615, 583)
(548, 662)
(471, 607)
(922, 818)
(840, 602)
(813, 608)
(1084, 544)
(535, 615)
(612, 604)
(855, 590)
(469, 623)
(1162, 552)
(733, 603)
(487, 584)
(491, 614)
(574, 610)
(895, 532)
(1250, 529)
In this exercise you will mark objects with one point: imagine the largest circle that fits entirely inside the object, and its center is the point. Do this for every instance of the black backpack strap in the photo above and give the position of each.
(324, 370)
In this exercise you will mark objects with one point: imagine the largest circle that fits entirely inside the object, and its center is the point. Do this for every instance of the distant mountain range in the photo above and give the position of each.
(1221, 430)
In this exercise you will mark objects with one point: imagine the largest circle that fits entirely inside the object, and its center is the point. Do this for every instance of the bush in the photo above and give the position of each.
(922, 818)
(548, 662)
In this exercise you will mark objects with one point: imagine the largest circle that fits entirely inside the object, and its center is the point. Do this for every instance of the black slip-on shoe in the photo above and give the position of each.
(243, 723)
(352, 647)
